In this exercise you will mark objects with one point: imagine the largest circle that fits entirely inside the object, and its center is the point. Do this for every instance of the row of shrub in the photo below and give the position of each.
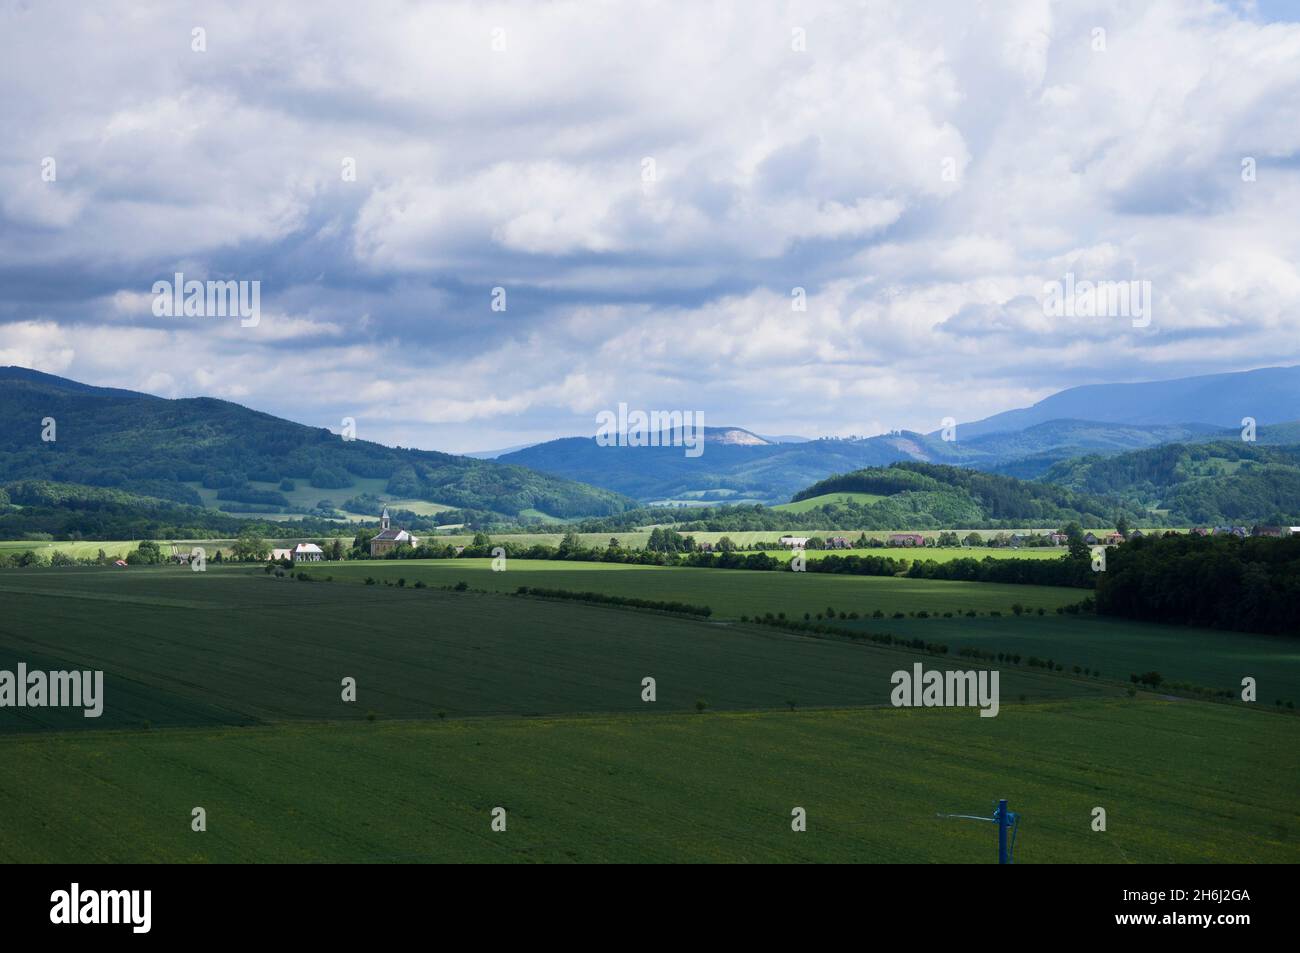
(600, 598)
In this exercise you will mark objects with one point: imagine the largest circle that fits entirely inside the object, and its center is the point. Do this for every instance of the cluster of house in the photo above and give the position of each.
(800, 542)
(1273, 531)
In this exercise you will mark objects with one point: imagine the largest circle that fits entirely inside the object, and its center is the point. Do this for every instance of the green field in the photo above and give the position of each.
(115, 548)
(1181, 782)
(803, 506)
(236, 646)
(730, 593)
(940, 554)
(223, 691)
(304, 494)
(1119, 647)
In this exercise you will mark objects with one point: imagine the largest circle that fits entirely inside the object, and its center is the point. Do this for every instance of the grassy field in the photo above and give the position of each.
(803, 506)
(115, 548)
(304, 494)
(940, 554)
(1181, 782)
(637, 539)
(223, 691)
(731, 593)
(1120, 647)
(239, 647)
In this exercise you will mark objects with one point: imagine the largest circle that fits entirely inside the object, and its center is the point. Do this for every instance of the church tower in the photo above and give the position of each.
(383, 520)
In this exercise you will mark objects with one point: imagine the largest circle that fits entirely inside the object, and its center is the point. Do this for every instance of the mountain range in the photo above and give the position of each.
(1026, 443)
(1171, 446)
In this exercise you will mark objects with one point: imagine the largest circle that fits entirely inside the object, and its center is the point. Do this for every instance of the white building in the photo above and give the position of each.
(308, 553)
(793, 542)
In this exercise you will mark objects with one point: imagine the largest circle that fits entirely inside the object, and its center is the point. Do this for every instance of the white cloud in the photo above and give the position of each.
(824, 168)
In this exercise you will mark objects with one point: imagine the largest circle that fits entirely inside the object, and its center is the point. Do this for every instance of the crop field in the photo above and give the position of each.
(1181, 782)
(237, 646)
(730, 593)
(222, 690)
(1121, 647)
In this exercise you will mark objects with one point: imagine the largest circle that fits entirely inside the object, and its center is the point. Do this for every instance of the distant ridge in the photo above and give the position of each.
(12, 372)
(1269, 394)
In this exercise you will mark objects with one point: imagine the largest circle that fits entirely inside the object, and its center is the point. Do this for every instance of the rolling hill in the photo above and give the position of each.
(1220, 482)
(213, 453)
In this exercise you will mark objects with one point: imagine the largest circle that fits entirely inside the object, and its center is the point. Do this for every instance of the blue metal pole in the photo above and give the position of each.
(1002, 832)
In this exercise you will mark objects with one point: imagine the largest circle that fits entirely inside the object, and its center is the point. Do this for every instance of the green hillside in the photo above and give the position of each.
(212, 453)
(1225, 481)
(829, 499)
(925, 495)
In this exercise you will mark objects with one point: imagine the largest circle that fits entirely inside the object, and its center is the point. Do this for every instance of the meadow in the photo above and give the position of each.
(1119, 648)
(1181, 783)
(223, 691)
(234, 645)
(812, 502)
(730, 593)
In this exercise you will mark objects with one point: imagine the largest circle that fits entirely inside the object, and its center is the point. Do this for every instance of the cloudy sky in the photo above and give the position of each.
(648, 183)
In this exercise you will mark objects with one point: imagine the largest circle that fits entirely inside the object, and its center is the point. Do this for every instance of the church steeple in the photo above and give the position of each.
(383, 520)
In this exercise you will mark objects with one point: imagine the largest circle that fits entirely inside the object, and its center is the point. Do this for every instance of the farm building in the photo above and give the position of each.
(281, 555)
(793, 542)
(1114, 539)
(838, 542)
(906, 539)
(1090, 539)
(1059, 539)
(1274, 531)
(388, 539)
(307, 553)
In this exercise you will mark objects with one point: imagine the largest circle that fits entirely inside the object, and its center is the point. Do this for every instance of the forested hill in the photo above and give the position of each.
(172, 449)
(1228, 481)
(993, 497)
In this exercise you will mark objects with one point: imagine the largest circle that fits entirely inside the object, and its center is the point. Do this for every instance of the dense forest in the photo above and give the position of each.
(1226, 481)
(38, 509)
(1252, 584)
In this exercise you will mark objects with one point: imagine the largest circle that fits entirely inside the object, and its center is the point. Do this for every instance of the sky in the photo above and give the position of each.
(478, 225)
